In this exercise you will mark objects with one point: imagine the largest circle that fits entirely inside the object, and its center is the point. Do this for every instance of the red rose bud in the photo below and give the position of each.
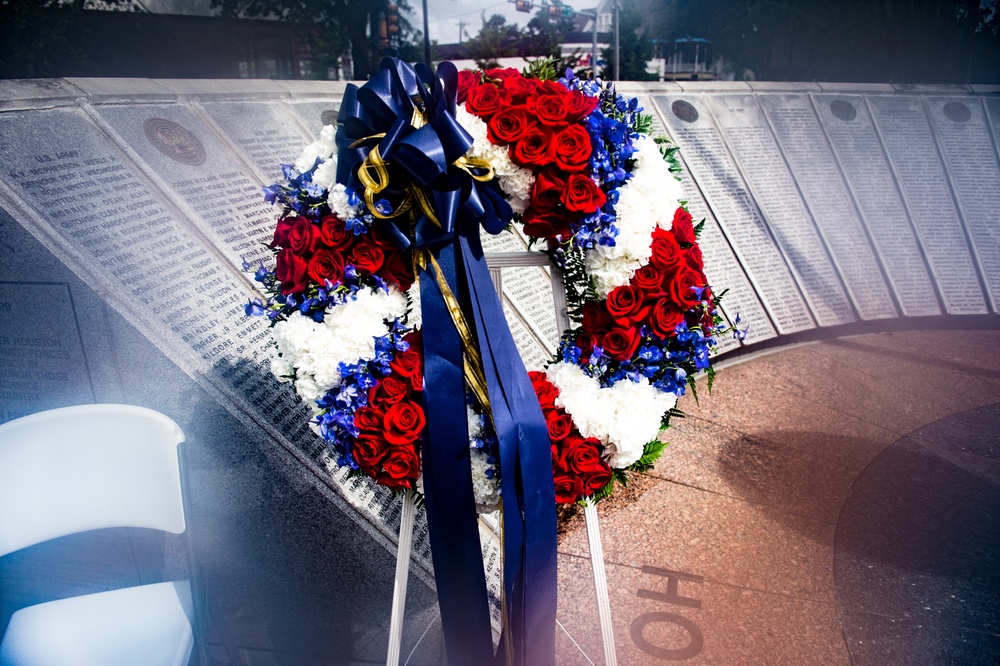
(326, 265)
(401, 465)
(682, 227)
(625, 301)
(585, 456)
(333, 234)
(519, 88)
(582, 195)
(560, 424)
(507, 126)
(368, 419)
(366, 257)
(532, 150)
(568, 488)
(548, 189)
(368, 450)
(571, 148)
(596, 318)
(281, 232)
(621, 343)
(485, 100)
(403, 422)
(664, 318)
(666, 251)
(303, 235)
(578, 105)
(649, 280)
(550, 110)
(389, 391)
(685, 288)
(292, 271)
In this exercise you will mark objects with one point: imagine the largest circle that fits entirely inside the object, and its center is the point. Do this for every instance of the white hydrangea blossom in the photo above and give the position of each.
(624, 417)
(484, 489)
(346, 335)
(515, 181)
(323, 148)
(648, 200)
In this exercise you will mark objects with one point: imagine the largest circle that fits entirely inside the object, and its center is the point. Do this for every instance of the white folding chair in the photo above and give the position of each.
(85, 468)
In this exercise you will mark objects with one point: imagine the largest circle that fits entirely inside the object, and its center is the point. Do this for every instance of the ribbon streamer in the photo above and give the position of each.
(398, 140)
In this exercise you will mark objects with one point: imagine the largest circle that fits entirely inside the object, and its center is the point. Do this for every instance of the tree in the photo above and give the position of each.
(635, 47)
(496, 39)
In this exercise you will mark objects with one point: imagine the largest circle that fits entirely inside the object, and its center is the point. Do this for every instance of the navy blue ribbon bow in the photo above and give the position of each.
(398, 139)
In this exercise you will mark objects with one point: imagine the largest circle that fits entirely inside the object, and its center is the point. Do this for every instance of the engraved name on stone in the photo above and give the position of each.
(814, 168)
(761, 163)
(266, 132)
(706, 156)
(971, 160)
(42, 363)
(864, 163)
(230, 209)
(913, 156)
(722, 268)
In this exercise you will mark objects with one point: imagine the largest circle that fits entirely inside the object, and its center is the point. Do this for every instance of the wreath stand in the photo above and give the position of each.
(403, 573)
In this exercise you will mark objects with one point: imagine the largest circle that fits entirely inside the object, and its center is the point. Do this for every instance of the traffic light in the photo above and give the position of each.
(555, 10)
(523, 6)
(392, 17)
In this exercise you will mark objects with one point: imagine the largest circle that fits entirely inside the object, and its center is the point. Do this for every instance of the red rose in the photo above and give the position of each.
(389, 391)
(366, 257)
(532, 150)
(381, 236)
(281, 232)
(586, 342)
(584, 456)
(546, 392)
(408, 365)
(571, 148)
(333, 234)
(582, 195)
(507, 126)
(596, 319)
(578, 105)
(326, 265)
(547, 190)
(466, 80)
(303, 235)
(550, 88)
(682, 227)
(692, 257)
(396, 268)
(368, 419)
(545, 224)
(401, 467)
(649, 280)
(568, 487)
(403, 422)
(560, 424)
(485, 100)
(292, 271)
(504, 74)
(626, 302)
(664, 318)
(621, 343)
(685, 288)
(368, 450)
(519, 88)
(550, 110)
(666, 251)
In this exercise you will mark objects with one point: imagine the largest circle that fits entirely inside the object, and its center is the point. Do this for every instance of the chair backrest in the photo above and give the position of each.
(89, 467)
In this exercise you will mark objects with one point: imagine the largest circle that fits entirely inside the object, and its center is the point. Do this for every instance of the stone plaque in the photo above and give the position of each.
(815, 169)
(759, 159)
(42, 363)
(317, 113)
(862, 159)
(741, 222)
(265, 132)
(159, 271)
(967, 147)
(914, 159)
(224, 197)
(722, 268)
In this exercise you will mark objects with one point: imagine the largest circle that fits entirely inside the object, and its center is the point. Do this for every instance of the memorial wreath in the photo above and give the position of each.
(397, 194)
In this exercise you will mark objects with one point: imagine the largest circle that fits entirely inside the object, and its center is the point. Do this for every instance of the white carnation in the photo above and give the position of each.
(339, 205)
(484, 489)
(624, 417)
(322, 148)
(325, 174)
(648, 200)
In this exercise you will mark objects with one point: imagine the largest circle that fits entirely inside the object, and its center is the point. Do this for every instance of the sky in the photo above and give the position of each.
(444, 16)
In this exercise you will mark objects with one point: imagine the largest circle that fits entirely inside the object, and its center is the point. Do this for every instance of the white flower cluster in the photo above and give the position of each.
(515, 181)
(624, 417)
(314, 350)
(323, 148)
(338, 201)
(484, 488)
(648, 200)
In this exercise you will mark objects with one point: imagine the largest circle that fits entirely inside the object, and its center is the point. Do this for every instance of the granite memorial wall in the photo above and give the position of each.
(827, 209)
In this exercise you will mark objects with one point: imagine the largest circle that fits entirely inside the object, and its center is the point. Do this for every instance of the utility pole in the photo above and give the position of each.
(427, 38)
(617, 50)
